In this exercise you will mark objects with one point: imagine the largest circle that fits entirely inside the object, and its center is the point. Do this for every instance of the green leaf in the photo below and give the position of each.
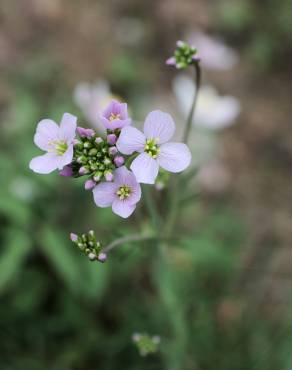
(61, 255)
(17, 246)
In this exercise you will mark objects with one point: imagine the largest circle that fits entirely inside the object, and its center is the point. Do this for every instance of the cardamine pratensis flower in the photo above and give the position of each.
(122, 194)
(154, 148)
(184, 56)
(57, 141)
(89, 246)
(115, 116)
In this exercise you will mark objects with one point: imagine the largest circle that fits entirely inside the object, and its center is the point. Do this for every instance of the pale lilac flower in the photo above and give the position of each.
(154, 147)
(115, 116)
(214, 53)
(122, 194)
(213, 111)
(57, 141)
(91, 98)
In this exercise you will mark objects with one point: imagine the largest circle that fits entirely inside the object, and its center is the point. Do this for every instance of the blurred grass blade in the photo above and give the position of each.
(17, 246)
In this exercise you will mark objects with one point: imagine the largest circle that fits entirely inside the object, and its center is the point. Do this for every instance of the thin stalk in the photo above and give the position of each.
(174, 200)
(151, 208)
(130, 239)
(197, 80)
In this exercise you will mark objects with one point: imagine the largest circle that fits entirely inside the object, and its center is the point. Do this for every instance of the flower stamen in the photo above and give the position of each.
(58, 147)
(152, 148)
(124, 192)
(114, 116)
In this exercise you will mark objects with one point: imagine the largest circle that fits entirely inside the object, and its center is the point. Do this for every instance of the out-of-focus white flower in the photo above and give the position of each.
(91, 99)
(214, 177)
(213, 111)
(23, 189)
(214, 53)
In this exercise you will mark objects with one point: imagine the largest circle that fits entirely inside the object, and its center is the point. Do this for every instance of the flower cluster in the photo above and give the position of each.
(146, 344)
(87, 244)
(116, 164)
(184, 55)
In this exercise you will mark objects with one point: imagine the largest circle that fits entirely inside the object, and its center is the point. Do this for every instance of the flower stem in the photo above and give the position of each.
(129, 239)
(197, 80)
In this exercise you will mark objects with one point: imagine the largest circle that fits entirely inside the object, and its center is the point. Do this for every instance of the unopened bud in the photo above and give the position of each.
(91, 256)
(89, 184)
(73, 237)
(109, 176)
(102, 257)
(119, 160)
(99, 140)
(111, 139)
(113, 150)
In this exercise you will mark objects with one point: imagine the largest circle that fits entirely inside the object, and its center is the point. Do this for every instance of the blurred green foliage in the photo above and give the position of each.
(263, 28)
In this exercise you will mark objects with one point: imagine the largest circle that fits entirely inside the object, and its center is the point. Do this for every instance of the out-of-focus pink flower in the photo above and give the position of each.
(213, 111)
(154, 148)
(66, 171)
(91, 99)
(214, 53)
(57, 141)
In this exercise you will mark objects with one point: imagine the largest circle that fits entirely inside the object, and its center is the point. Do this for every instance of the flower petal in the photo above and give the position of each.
(123, 208)
(145, 168)
(45, 164)
(174, 157)
(159, 125)
(130, 140)
(46, 130)
(68, 127)
(104, 194)
(123, 176)
(66, 158)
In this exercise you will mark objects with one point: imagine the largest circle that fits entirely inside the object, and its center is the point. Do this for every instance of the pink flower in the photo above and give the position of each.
(154, 147)
(115, 116)
(122, 194)
(57, 141)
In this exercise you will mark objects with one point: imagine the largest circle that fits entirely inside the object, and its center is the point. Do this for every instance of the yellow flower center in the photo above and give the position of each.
(124, 192)
(113, 117)
(58, 147)
(152, 148)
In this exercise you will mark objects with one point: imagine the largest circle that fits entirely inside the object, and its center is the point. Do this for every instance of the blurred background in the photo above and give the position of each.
(222, 298)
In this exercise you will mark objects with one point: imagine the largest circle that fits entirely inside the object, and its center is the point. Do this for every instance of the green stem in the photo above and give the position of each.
(189, 122)
(127, 239)
(130, 239)
(151, 208)
(174, 200)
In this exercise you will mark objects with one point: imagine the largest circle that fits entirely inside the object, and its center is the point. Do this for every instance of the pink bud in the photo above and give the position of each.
(83, 170)
(111, 139)
(113, 150)
(119, 160)
(89, 184)
(102, 257)
(66, 171)
(85, 132)
(73, 237)
(109, 176)
(99, 140)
